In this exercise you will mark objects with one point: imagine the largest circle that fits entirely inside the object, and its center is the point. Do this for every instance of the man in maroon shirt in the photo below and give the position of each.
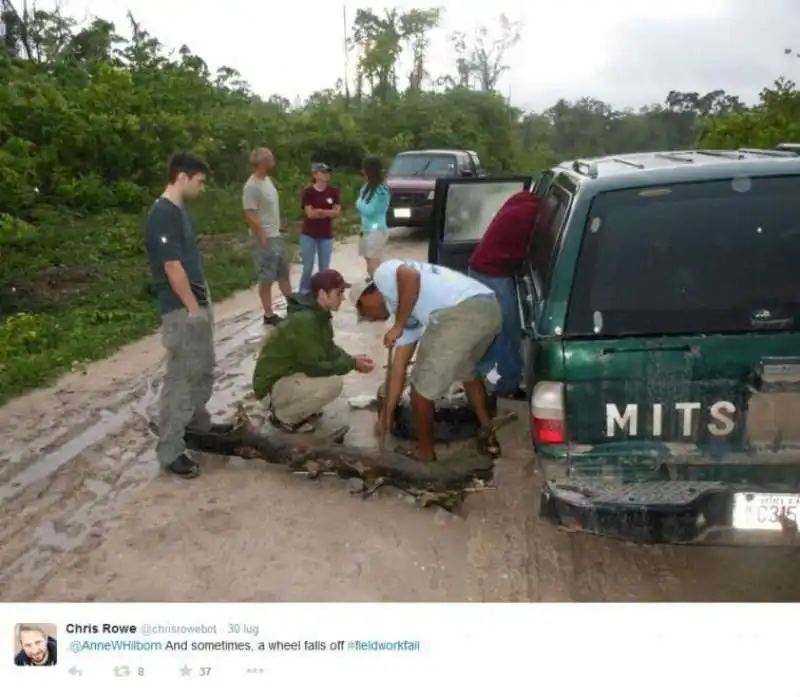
(320, 206)
(494, 263)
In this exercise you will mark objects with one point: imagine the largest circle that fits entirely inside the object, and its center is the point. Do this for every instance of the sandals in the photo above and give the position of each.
(411, 453)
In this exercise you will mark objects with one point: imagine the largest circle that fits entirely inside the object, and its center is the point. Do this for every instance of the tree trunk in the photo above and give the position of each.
(443, 482)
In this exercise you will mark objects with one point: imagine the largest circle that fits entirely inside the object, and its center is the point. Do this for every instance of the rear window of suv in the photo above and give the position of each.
(703, 257)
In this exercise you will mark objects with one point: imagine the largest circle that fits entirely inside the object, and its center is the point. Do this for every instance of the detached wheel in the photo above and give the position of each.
(453, 417)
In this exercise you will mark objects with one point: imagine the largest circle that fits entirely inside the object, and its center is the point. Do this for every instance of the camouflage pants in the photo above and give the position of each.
(188, 379)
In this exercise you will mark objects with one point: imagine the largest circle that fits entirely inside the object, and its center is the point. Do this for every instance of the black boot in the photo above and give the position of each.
(183, 466)
(272, 320)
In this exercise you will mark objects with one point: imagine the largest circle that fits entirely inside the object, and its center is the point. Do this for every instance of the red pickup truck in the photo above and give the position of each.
(412, 179)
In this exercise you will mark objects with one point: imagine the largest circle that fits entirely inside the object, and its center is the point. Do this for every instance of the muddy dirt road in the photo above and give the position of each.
(86, 515)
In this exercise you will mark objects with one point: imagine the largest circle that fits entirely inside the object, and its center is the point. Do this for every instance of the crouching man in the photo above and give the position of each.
(455, 318)
(300, 367)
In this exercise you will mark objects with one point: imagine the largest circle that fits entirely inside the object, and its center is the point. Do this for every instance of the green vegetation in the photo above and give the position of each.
(88, 119)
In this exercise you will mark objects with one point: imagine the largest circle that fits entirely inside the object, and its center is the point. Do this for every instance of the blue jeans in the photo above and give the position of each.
(504, 353)
(309, 248)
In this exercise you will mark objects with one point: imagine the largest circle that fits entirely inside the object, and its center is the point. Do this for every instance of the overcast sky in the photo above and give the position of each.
(626, 52)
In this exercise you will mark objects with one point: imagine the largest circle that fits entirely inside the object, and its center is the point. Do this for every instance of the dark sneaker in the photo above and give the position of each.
(183, 466)
(272, 320)
(302, 427)
(214, 429)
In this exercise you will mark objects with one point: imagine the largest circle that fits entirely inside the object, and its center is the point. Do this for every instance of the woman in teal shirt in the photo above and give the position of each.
(373, 205)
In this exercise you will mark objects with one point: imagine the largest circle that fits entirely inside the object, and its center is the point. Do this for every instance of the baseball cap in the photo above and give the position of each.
(328, 280)
(356, 291)
(320, 167)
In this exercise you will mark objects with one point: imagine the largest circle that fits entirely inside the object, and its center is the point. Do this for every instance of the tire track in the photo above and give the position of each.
(59, 491)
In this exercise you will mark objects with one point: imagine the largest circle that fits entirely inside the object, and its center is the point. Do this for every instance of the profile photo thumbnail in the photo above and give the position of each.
(35, 644)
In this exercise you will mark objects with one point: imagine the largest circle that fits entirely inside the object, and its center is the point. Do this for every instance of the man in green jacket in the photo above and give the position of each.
(300, 368)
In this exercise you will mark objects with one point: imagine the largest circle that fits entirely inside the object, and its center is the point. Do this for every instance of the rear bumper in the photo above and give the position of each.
(659, 512)
(419, 216)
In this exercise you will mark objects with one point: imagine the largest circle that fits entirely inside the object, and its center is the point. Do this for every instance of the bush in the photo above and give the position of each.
(88, 120)
(85, 131)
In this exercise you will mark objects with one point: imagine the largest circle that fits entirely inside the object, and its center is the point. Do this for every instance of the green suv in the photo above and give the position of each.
(660, 307)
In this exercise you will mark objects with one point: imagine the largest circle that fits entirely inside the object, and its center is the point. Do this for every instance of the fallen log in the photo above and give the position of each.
(443, 483)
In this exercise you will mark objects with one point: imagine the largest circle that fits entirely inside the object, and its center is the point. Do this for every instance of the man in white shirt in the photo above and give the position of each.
(454, 318)
(262, 213)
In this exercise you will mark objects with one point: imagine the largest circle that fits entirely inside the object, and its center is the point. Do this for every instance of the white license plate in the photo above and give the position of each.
(764, 511)
(402, 212)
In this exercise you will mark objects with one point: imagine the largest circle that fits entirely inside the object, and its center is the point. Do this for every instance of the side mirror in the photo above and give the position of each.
(467, 172)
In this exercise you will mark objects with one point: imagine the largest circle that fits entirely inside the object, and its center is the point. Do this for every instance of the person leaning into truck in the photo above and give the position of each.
(300, 367)
(495, 263)
(456, 319)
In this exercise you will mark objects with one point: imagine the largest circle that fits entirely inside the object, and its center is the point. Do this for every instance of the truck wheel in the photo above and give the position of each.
(453, 417)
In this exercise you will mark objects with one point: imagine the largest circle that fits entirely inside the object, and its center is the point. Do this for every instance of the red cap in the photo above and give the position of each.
(328, 280)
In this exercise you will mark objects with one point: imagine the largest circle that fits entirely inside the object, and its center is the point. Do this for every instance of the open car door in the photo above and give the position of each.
(462, 210)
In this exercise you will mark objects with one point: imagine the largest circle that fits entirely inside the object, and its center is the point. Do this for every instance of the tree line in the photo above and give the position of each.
(90, 112)
(88, 115)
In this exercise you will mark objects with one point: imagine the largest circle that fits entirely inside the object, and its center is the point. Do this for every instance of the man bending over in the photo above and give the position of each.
(455, 319)
(300, 367)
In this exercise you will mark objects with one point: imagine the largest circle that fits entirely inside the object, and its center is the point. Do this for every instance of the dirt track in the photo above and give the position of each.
(86, 515)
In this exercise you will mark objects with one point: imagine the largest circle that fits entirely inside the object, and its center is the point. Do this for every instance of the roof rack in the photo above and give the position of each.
(770, 153)
(676, 157)
(728, 154)
(623, 161)
(791, 147)
(585, 167)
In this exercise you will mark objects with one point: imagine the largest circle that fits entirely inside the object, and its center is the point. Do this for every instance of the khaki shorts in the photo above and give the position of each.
(271, 262)
(453, 344)
(372, 245)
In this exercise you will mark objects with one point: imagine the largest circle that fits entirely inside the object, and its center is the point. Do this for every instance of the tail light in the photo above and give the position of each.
(547, 413)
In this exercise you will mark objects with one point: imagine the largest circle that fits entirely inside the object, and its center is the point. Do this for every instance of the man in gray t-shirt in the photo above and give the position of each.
(262, 213)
